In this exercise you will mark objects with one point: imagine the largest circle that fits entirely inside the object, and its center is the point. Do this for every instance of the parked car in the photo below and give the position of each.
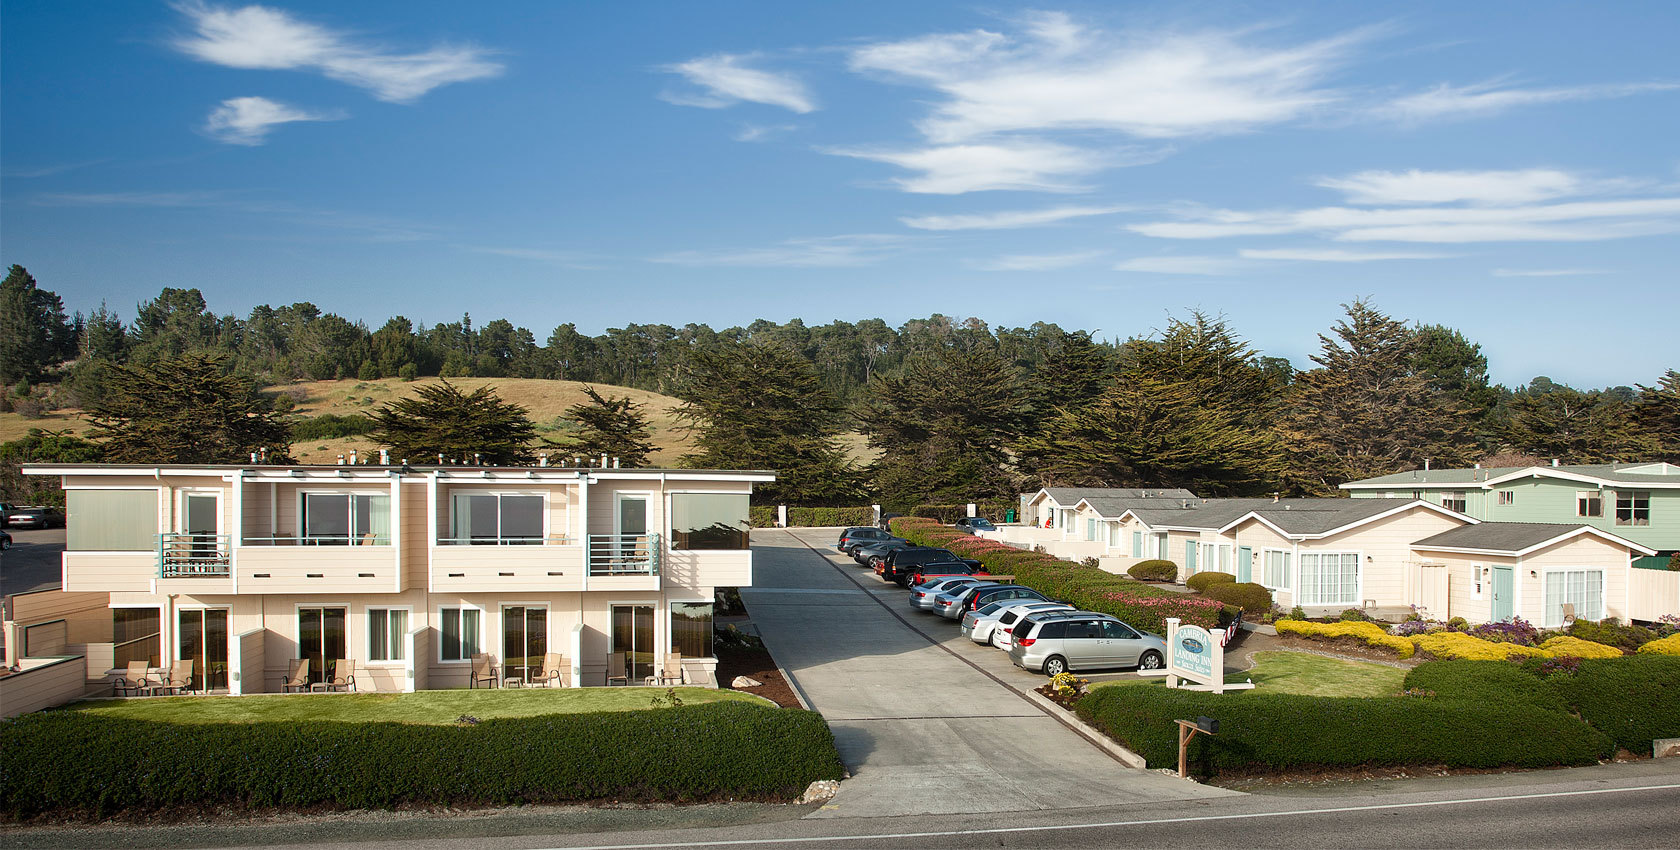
(867, 554)
(5, 541)
(922, 595)
(975, 524)
(983, 624)
(899, 565)
(35, 517)
(953, 606)
(944, 569)
(1053, 643)
(851, 538)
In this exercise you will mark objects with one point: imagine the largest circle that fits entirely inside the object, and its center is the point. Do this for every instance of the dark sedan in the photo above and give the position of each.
(975, 524)
(35, 518)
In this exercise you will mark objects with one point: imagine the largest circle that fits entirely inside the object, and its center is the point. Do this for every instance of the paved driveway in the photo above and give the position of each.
(922, 731)
(34, 562)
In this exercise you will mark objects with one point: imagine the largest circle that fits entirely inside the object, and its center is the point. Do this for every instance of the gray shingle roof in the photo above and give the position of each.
(1625, 473)
(1071, 495)
(1500, 536)
(1294, 516)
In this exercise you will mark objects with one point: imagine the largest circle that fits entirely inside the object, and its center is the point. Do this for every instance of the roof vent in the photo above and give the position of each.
(1426, 464)
(1554, 463)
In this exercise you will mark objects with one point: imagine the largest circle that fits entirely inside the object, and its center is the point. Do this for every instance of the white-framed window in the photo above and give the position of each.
(1583, 589)
(1454, 500)
(1225, 559)
(1115, 535)
(1589, 503)
(1633, 507)
(1137, 544)
(1478, 580)
(112, 520)
(1274, 571)
(345, 519)
(488, 519)
(1090, 529)
(1329, 578)
(458, 633)
(1506, 497)
(387, 630)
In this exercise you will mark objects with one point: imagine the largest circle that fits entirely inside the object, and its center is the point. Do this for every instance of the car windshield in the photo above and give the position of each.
(993, 608)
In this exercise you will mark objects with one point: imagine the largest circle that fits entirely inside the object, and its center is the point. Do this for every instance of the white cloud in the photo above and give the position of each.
(1059, 74)
(759, 133)
(1181, 265)
(1004, 220)
(1334, 255)
(1577, 221)
(1476, 187)
(859, 249)
(1034, 262)
(1547, 272)
(248, 120)
(1023, 164)
(1479, 99)
(258, 37)
(728, 81)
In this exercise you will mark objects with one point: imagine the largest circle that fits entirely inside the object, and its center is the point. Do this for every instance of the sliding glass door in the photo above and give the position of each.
(524, 641)
(204, 640)
(320, 639)
(632, 634)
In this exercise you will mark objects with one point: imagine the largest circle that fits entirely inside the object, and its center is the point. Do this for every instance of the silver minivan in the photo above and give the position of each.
(1056, 642)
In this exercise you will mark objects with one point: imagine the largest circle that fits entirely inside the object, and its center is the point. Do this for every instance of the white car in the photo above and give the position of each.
(986, 623)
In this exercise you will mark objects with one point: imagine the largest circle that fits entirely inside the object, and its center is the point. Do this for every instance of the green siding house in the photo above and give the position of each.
(1636, 501)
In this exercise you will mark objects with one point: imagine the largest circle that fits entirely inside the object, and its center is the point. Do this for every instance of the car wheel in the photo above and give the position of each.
(1150, 660)
(1055, 665)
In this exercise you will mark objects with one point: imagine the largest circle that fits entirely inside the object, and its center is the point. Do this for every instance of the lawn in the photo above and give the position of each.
(1283, 672)
(425, 707)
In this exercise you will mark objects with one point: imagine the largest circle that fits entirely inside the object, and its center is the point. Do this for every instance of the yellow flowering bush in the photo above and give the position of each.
(1666, 646)
(1566, 645)
(1460, 645)
(1371, 633)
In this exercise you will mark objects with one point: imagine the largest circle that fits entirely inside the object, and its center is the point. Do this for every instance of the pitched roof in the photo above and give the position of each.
(1072, 495)
(1515, 538)
(1657, 473)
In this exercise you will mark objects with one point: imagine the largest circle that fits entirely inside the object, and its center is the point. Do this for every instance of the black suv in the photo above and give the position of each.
(851, 538)
(900, 565)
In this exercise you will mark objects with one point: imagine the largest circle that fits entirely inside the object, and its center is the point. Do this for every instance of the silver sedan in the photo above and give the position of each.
(922, 595)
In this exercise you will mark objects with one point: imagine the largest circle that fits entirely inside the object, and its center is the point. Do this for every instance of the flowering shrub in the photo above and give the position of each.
(1418, 627)
(1517, 631)
(1669, 623)
(1461, 645)
(1665, 646)
(1567, 665)
(1371, 633)
(1068, 685)
(1564, 645)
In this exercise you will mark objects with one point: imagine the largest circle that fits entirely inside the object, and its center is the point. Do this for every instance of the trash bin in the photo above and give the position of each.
(1009, 515)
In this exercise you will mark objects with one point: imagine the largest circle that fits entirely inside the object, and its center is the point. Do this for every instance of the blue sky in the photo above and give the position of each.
(1507, 169)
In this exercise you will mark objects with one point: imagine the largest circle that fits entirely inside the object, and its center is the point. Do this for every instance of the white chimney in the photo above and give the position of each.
(615, 463)
(341, 460)
(542, 460)
(1426, 464)
(352, 457)
(1554, 463)
(384, 457)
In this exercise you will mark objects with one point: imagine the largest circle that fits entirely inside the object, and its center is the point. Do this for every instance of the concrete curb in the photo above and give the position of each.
(1090, 733)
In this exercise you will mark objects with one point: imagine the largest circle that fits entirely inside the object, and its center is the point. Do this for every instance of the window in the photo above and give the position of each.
(1329, 578)
(1583, 589)
(1225, 558)
(1589, 503)
(1274, 572)
(112, 520)
(691, 629)
(1090, 529)
(1478, 578)
(1633, 507)
(387, 633)
(342, 519)
(486, 519)
(1137, 544)
(460, 633)
(1453, 500)
(134, 635)
(1507, 497)
(709, 521)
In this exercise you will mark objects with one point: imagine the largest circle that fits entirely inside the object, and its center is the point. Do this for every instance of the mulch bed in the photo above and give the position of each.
(755, 664)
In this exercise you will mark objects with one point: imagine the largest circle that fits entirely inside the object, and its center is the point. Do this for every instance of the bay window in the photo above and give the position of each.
(1329, 578)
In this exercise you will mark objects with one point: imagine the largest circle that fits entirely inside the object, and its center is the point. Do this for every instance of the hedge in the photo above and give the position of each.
(1566, 645)
(68, 764)
(1252, 598)
(1444, 644)
(764, 516)
(1461, 645)
(1665, 646)
(1635, 699)
(330, 426)
(1370, 633)
(1200, 582)
(1283, 731)
(1629, 637)
(1087, 588)
(1491, 682)
(1156, 570)
(951, 513)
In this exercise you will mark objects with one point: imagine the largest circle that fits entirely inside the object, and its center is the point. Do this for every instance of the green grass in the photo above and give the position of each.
(425, 707)
(1282, 672)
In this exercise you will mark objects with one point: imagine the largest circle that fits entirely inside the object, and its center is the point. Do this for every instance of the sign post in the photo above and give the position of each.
(1195, 655)
(1187, 729)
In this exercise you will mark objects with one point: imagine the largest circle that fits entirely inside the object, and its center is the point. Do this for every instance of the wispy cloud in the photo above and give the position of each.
(728, 80)
(1333, 255)
(859, 249)
(258, 37)
(248, 120)
(1034, 262)
(358, 226)
(1476, 100)
(761, 132)
(563, 258)
(1476, 187)
(1547, 272)
(1193, 265)
(48, 170)
(1005, 220)
(1020, 164)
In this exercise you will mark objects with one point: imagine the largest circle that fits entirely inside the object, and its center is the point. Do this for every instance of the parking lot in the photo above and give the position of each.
(928, 721)
(33, 562)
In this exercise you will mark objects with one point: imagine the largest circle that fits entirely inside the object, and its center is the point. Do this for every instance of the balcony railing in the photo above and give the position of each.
(368, 539)
(193, 555)
(624, 554)
(551, 540)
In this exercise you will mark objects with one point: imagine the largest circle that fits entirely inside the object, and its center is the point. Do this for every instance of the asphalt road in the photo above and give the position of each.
(33, 562)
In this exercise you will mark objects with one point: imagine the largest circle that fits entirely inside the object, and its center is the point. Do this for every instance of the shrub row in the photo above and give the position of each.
(951, 513)
(764, 516)
(1283, 731)
(1628, 637)
(1156, 570)
(1446, 644)
(1666, 646)
(1634, 699)
(1200, 582)
(1254, 599)
(80, 765)
(1371, 633)
(1088, 588)
(329, 426)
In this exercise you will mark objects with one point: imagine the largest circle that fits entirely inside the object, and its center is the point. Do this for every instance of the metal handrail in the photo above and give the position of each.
(625, 554)
(319, 540)
(551, 540)
(193, 555)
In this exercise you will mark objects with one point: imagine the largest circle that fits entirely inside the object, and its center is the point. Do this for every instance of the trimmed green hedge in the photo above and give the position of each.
(79, 765)
(764, 516)
(1283, 731)
(1490, 682)
(951, 513)
(1200, 582)
(1247, 595)
(1156, 570)
(1635, 699)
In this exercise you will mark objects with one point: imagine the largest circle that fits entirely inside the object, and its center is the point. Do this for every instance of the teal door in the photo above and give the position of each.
(1190, 557)
(1504, 593)
(1245, 563)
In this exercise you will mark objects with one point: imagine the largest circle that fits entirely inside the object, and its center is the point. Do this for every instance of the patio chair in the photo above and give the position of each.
(179, 677)
(133, 681)
(343, 677)
(616, 663)
(672, 674)
(297, 676)
(483, 670)
(553, 670)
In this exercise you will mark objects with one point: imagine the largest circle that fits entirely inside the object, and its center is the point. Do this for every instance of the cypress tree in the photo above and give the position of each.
(186, 409)
(614, 427)
(440, 419)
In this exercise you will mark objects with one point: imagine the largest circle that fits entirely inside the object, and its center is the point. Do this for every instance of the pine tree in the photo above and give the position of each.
(614, 427)
(34, 333)
(1366, 410)
(1573, 426)
(186, 409)
(439, 419)
(1073, 374)
(761, 406)
(1658, 414)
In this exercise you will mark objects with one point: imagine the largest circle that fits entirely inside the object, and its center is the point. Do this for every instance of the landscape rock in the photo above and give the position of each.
(819, 791)
(745, 682)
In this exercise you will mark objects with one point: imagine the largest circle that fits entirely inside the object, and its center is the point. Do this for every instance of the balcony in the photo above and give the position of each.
(319, 563)
(507, 564)
(194, 555)
(625, 561)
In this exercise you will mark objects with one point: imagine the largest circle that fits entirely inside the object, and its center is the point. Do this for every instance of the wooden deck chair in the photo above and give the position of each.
(554, 669)
(343, 677)
(671, 673)
(133, 681)
(483, 670)
(179, 677)
(297, 676)
(616, 664)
